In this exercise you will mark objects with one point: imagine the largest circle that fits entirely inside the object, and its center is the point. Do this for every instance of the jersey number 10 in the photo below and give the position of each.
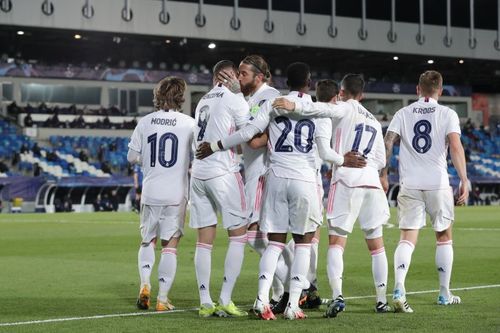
(152, 140)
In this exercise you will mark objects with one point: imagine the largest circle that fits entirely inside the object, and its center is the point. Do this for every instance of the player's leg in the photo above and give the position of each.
(411, 216)
(254, 190)
(274, 221)
(171, 230)
(439, 205)
(375, 244)
(343, 209)
(229, 196)
(304, 217)
(146, 255)
(335, 269)
(374, 213)
(203, 217)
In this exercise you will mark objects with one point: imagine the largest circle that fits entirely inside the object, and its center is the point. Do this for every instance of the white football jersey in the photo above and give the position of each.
(164, 140)
(292, 150)
(423, 127)
(255, 159)
(218, 114)
(357, 130)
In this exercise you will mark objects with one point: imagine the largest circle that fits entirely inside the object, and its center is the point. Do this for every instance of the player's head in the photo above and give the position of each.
(351, 87)
(430, 84)
(298, 76)
(254, 71)
(224, 65)
(327, 90)
(169, 93)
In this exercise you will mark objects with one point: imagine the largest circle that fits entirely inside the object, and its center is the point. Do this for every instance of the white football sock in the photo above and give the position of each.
(402, 260)
(257, 240)
(335, 269)
(146, 260)
(232, 266)
(300, 266)
(313, 266)
(267, 267)
(444, 264)
(380, 272)
(166, 272)
(203, 267)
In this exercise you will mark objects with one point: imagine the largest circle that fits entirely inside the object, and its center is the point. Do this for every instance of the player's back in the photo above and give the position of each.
(291, 144)
(218, 114)
(423, 127)
(254, 159)
(359, 131)
(165, 141)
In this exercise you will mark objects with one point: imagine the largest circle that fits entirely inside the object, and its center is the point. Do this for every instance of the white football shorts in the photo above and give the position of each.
(413, 204)
(290, 205)
(346, 204)
(163, 221)
(224, 194)
(254, 190)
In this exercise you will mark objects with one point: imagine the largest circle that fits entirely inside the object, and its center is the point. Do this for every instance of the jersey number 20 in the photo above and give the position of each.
(297, 141)
(152, 140)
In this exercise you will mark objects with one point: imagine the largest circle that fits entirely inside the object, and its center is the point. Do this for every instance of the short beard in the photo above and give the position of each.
(249, 88)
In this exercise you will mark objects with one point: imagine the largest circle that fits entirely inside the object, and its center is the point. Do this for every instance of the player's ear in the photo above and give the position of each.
(440, 92)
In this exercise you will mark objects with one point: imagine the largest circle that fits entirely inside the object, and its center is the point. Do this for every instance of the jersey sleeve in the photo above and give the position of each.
(395, 125)
(321, 109)
(379, 157)
(263, 117)
(326, 153)
(453, 123)
(240, 111)
(136, 140)
(324, 128)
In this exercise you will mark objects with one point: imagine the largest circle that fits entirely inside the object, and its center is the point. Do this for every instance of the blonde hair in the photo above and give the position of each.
(430, 82)
(169, 93)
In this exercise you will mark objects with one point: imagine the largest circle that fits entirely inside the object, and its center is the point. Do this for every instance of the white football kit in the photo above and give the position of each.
(354, 193)
(290, 193)
(423, 127)
(216, 183)
(255, 159)
(164, 141)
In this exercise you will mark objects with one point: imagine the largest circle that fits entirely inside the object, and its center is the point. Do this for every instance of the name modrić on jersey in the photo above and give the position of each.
(163, 121)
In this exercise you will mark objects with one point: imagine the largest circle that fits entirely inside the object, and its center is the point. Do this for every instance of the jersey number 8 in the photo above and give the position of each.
(422, 141)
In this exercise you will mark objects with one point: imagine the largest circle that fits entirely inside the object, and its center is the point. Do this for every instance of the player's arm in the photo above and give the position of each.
(243, 135)
(458, 160)
(259, 141)
(350, 159)
(310, 109)
(133, 156)
(389, 140)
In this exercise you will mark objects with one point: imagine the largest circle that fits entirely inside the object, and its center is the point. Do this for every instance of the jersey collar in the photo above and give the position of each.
(306, 97)
(427, 100)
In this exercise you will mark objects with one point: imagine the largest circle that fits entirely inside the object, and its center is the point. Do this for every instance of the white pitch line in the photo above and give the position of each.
(478, 229)
(134, 314)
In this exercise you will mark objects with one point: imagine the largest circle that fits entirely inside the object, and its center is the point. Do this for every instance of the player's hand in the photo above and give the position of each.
(354, 159)
(284, 104)
(230, 81)
(463, 194)
(384, 181)
(204, 150)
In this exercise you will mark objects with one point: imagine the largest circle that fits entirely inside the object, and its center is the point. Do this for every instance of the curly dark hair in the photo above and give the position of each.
(169, 93)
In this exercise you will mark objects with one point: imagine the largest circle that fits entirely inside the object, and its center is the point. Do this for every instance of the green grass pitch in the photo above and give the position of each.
(55, 266)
